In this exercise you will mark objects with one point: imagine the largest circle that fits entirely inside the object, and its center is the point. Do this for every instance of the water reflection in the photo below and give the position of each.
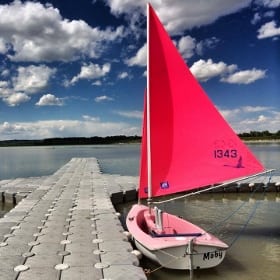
(254, 251)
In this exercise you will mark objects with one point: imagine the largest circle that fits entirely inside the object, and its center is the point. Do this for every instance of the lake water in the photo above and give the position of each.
(254, 254)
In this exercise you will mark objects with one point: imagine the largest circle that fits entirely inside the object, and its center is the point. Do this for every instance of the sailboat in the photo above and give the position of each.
(186, 145)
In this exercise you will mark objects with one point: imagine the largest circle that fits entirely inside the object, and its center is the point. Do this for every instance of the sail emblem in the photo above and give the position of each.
(164, 185)
(239, 163)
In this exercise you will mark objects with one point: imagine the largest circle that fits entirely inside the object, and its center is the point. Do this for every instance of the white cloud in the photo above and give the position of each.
(97, 83)
(208, 43)
(244, 77)
(32, 79)
(7, 129)
(131, 114)
(248, 118)
(228, 113)
(179, 15)
(5, 73)
(123, 75)
(103, 98)
(187, 46)
(269, 14)
(91, 118)
(3, 84)
(3, 46)
(268, 3)
(92, 72)
(269, 121)
(49, 100)
(28, 80)
(33, 29)
(252, 109)
(269, 29)
(14, 99)
(205, 70)
(140, 59)
(256, 18)
(87, 127)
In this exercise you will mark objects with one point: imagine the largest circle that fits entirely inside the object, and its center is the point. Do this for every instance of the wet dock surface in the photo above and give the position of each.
(66, 227)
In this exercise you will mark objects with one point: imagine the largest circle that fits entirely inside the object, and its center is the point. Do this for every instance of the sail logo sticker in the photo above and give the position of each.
(164, 185)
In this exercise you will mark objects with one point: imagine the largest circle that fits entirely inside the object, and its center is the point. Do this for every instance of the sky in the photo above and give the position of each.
(77, 68)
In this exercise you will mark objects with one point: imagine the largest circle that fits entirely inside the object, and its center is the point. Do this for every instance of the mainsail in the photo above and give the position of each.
(191, 145)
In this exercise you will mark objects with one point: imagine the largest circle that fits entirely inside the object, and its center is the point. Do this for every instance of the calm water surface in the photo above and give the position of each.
(254, 254)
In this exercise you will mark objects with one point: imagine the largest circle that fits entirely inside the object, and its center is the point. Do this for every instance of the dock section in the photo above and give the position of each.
(67, 227)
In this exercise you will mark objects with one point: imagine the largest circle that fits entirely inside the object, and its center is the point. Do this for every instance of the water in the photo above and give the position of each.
(255, 254)
(39, 161)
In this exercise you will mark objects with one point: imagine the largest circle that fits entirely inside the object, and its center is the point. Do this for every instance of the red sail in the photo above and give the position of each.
(191, 144)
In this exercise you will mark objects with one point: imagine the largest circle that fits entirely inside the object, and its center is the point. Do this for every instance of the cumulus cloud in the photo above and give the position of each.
(244, 77)
(27, 81)
(103, 98)
(179, 15)
(92, 72)
(49, 100)
(140, 59)
(187, 46)
(10, 97)
(14, 99)
(269, 29)
(205, 70)
(33, 39)
(32, 79)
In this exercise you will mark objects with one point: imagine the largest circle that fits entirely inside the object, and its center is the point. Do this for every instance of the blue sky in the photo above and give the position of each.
(77, 68)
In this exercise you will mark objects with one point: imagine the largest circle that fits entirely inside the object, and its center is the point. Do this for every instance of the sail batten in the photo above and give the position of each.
(190, 145)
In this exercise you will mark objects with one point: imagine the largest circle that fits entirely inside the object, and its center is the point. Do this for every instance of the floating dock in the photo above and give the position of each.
(64, 226)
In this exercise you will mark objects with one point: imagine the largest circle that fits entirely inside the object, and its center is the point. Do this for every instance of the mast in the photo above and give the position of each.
(149, 172)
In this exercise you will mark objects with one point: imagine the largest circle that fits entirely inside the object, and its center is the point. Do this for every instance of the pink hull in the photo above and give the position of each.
(169, 246)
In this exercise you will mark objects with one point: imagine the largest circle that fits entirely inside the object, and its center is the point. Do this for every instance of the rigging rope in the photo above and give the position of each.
(245, 224)
(251, 215)
(213, 228)
(213, 187)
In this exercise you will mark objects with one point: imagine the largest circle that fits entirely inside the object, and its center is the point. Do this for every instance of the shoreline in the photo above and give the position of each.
(262, 141)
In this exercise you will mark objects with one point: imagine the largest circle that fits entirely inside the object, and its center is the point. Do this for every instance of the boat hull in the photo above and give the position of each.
(173, 250)
(175, 257)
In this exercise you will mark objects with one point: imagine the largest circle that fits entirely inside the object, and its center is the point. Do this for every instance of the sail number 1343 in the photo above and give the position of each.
(228, 153)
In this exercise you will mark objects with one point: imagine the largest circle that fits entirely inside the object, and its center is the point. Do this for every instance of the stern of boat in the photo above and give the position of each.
(202, 257)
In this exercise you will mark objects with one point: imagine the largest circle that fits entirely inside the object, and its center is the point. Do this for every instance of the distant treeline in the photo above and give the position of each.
(96, 140)
(73, 141)
(260, 135)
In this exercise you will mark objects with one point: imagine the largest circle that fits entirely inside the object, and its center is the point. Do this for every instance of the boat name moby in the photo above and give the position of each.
(212, 255)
